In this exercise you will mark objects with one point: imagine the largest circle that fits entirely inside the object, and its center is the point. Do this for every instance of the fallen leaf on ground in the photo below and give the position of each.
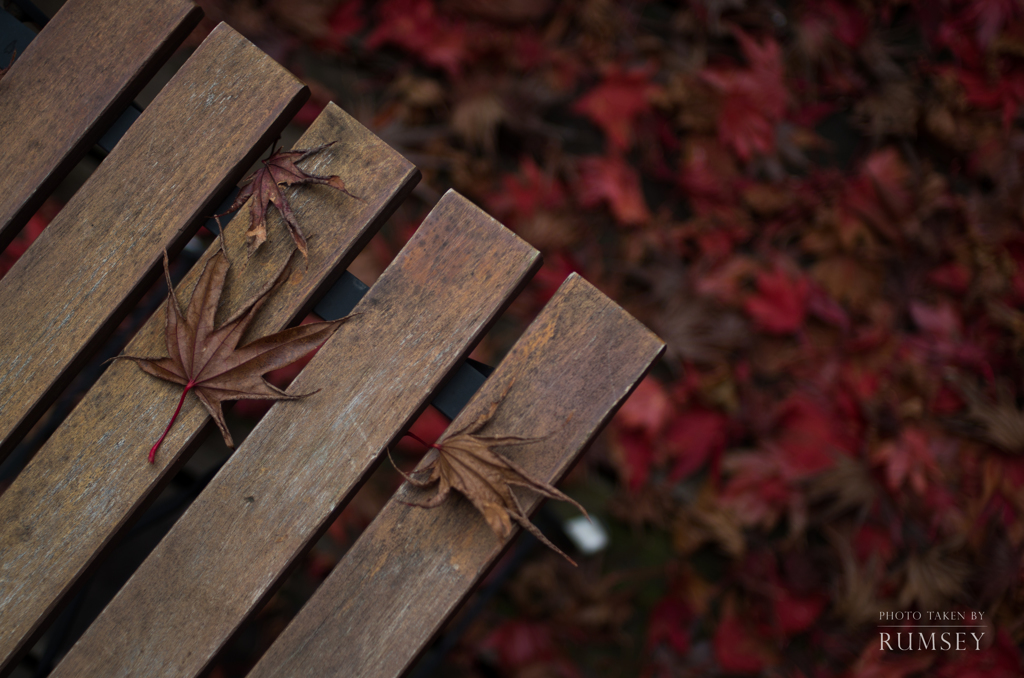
(264, 184)
(614, 181)
(933, 578)
(207, 360)
(617, 103)
(466, 463)
(780, 305)
(1001, 422)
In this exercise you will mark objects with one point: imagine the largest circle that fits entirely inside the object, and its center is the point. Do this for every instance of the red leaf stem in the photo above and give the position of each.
(174, 417)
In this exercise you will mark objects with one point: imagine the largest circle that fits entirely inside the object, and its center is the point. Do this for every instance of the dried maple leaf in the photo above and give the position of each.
(264, 184)
(207, 361)
(465, 462)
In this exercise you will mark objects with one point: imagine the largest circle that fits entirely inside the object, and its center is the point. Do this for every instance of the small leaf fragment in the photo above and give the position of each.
(279, 169)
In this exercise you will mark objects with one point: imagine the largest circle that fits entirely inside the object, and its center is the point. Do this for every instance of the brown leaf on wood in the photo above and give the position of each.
(465, 462)
(279, 169)
(208, 361)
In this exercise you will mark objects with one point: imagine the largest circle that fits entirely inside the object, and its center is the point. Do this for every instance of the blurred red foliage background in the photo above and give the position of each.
(818, 206)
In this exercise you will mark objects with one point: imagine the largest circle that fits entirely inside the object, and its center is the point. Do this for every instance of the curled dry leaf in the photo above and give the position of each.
(207, 361)
(264, 186)
(466, 463)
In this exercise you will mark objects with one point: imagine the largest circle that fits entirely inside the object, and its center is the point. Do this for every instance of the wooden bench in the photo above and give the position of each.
(294, 473)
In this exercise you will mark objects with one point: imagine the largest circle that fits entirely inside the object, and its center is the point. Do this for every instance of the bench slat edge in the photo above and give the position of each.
(67, 87)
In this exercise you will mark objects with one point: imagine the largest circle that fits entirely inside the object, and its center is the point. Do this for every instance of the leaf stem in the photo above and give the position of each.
(174, 417)
(421, 440)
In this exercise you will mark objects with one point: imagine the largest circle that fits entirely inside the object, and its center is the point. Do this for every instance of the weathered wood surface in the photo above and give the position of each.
(412, 567)
(76, 282)
(83, 486)
(70, 85)
(298, 467)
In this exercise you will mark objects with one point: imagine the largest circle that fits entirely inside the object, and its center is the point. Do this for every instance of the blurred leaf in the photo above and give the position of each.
(1001, 420)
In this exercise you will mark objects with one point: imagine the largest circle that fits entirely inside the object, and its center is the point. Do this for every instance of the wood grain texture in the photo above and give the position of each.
(79, 278)
(299, 466)
(412, 567)
(70, 85)
(82, 488)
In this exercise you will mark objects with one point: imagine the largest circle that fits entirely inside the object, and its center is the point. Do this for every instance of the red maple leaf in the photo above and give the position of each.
(524, 194)
(808, 437)
(344, 22)
(708, 175)
(615, 104)
(909, 459)
(695, 437)
(637, 425)
(669, 624)
(647, 409)
(737, 649)
(880, 194)
(610, 179)
(417, 27)
(780, 305)
(795, 614)
(635, 456)
(952, 277)
(873, 542)
(754, 98)
(757, 491)
(1005, 93)
(847, 22)
(529, 647)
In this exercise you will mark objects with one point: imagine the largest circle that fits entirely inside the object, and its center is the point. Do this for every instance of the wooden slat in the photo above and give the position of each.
(412, 567)
(81, 489)
(71, 83)
(298, 467)
(76, 282)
